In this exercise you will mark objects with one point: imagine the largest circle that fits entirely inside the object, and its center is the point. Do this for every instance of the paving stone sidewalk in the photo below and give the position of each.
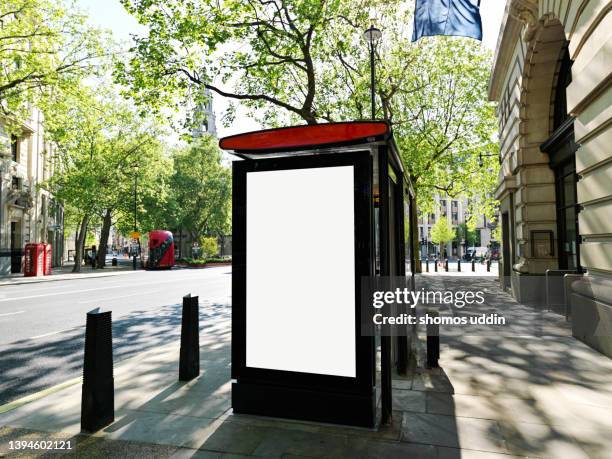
(65, 273)
(513, 393)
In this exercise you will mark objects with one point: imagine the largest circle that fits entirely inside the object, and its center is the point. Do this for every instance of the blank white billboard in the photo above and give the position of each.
(300, 273)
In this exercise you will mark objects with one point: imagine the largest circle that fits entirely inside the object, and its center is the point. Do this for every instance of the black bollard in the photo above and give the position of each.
(114, 262)
(436, 264)
(446, 265)
(489, 265)
(473, 265)
(134, 263)
(459, 265)
(427, 263)
(98, 393)
(189, 364)
(433, 341)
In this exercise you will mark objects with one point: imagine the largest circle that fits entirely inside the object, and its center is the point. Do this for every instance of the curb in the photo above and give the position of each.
(71, 382)
(59, 278)
(38, 395)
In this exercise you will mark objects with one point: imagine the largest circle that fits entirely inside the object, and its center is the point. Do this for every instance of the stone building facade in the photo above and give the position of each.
(27, 213)
(552, 79)
(456, 211)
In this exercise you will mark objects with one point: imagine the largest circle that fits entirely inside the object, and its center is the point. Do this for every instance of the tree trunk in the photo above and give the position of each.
(78, 244)
(106, 224)
(414, 230)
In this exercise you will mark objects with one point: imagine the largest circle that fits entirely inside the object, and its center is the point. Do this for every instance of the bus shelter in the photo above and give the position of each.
(316, 209)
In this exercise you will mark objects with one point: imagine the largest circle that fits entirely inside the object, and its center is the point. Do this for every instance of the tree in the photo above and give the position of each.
(434, 94)
(496, 234)
(98, 140)
(468, 233)
(308, 58)
(200, 196)
(43, 44)
(268, 54)
(441, 233)
(209, 246)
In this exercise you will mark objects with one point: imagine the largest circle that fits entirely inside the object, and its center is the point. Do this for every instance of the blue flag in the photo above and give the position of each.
(447, 17)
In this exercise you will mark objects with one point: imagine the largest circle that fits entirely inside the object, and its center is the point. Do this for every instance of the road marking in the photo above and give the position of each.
(38, 395)
(49, 334)
(11, 313)
(94, 289)
(53, 294)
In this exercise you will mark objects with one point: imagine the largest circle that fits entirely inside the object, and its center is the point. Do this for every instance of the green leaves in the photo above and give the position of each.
(442, 231)
(200, 197)
(295, 61)
(271, 55)
(100, 144)
(43, 44)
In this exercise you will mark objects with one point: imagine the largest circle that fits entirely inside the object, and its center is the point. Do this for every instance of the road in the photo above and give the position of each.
(42, 324)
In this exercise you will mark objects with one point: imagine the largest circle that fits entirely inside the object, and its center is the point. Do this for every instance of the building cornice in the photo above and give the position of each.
(518, 13)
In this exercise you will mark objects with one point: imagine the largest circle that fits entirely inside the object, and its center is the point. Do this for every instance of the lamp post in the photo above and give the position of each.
(135, 210)
(480, 156)
(372, 35)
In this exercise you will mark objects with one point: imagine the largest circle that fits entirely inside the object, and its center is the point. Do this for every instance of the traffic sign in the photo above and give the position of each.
(134, 234)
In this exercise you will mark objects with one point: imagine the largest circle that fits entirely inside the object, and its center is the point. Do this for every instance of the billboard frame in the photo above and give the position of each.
(300, 395)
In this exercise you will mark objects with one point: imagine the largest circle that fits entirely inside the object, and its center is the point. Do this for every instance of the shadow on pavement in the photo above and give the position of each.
(29, 366)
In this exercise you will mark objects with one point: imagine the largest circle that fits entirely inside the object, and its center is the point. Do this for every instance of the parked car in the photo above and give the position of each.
(476, 252)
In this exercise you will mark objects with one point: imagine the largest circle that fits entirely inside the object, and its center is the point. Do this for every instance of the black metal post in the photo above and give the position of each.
(446, 265)
(459, 265)
(135, 190)
(489, 265)
(473, 264)
(436, 260)
(189, 363)
(427, 262)
(372, 80)
(433, 341)
(98, 392)
(135, 210)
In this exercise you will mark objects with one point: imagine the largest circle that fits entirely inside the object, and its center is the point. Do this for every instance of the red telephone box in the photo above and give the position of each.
(34, 258)
(48, 259)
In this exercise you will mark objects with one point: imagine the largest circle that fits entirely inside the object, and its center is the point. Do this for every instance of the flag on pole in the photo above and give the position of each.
(447, 17)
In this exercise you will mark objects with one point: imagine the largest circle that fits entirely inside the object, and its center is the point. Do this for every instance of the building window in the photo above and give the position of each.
(16, 183)
(14, 148)
(564, 79)
(443, 207)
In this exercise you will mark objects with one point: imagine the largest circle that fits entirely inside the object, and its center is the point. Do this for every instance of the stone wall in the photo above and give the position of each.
(533, 39)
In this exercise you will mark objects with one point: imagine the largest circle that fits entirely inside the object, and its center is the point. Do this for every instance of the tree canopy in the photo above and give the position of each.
(200, 190)
(442, 232)
(44, 44)
(269, 54)
(307, 59)
(98, 143)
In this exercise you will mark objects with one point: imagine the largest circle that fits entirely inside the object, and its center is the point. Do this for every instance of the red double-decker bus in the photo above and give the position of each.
(158, 250)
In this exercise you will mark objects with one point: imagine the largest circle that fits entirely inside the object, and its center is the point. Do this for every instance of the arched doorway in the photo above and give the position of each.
(561, 149)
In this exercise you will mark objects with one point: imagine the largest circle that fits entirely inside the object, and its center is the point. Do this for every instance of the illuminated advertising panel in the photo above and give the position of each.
(300, 270)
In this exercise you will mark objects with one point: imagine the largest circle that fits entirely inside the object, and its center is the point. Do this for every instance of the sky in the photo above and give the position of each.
(109, 14)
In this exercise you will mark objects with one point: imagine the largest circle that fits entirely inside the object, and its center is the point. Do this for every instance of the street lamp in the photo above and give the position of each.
(372, 35)
(135, 210)
(135, 190)
(480, 155)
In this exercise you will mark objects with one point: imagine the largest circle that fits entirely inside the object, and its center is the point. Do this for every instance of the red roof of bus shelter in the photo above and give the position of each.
(307, 136)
